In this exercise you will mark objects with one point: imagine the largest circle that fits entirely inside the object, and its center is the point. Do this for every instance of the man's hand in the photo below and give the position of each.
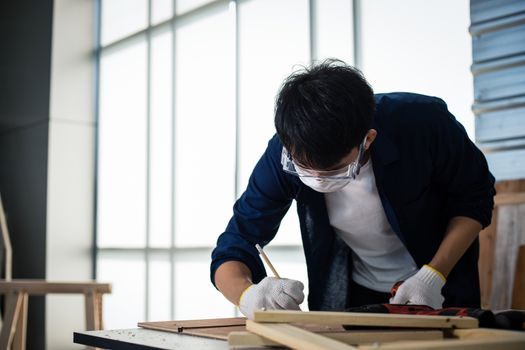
(424, 288)
(271, 293)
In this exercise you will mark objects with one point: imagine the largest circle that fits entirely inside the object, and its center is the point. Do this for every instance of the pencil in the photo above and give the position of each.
(265, 257)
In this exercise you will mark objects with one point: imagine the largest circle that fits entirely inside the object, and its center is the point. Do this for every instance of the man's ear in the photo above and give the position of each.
(370, 137)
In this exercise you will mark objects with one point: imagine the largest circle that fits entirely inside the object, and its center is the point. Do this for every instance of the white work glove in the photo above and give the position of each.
(424, 288)
(271, 293)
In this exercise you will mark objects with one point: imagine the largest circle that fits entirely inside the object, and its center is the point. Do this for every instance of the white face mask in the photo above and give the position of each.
(324, 185)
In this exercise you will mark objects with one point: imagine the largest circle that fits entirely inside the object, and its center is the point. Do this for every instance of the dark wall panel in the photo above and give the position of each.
(25, 27)
(23, 178)
(25, 67)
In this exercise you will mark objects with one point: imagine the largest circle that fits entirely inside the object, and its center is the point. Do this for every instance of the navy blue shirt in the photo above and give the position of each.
(427, 171)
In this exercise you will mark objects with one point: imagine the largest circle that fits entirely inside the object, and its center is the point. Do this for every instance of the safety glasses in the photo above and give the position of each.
(345, 173)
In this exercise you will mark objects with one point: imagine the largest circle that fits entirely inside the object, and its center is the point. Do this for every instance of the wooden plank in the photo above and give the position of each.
(487, 245)
(295, 337)
(467, 339)
(92, 316)
(469, 344)
(19, 342)
(365, 319)
(224, 331)
(518, 294)
(221, 333)
(510, 235)
(181, 325)
(219, 328)
(510, 186)
(93, 312)
(13, 308)
(480, 333)
(99, 310)
(509, 198)
(493, 274)
(248, 339)
(41, 287)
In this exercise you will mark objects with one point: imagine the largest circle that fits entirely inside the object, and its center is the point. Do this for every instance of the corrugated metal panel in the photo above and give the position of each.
(503, 124)
(483, 10)
(499, 38)
(500, 84)
(507, 164)
(498, 51)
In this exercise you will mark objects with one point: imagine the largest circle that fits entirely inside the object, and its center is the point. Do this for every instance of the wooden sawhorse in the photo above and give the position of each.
(14, 325)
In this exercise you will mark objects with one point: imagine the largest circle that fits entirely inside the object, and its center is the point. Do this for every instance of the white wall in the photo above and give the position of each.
(71, 162)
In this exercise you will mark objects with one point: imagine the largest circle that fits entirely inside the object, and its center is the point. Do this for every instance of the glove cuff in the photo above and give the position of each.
(437, 272)
(431, 277)
(242, 294)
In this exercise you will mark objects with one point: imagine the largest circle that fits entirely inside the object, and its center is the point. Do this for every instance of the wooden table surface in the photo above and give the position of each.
(145, 339)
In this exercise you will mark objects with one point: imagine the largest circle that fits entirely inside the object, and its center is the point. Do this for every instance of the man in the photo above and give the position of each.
(388, 188)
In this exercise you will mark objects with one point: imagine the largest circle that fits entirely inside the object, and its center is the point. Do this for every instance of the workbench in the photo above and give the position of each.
(309, 330)
(145, 339)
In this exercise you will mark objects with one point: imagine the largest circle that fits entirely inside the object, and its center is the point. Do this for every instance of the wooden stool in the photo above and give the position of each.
(17, 292)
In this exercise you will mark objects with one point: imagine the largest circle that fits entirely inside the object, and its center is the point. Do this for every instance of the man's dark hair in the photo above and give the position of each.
(322, 112)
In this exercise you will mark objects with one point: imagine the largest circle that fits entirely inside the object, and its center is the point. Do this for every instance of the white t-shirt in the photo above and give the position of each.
(379, 257)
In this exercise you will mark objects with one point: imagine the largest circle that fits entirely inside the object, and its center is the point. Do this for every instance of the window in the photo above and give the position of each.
(186, 96)
(425, 48)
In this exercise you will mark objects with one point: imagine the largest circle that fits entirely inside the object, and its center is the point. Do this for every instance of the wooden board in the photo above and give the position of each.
(41, 287)
(480, 333)
(219, 328)
(498, 245)
(511, 343)
(365, 319)
(510, 235)
(314, 321)
(487, 245)
(483, 339)
(294, 337)
(216, 328)
(509, 198)
(179, 326)
(221, 333)
(248, 339)
(315, 336)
